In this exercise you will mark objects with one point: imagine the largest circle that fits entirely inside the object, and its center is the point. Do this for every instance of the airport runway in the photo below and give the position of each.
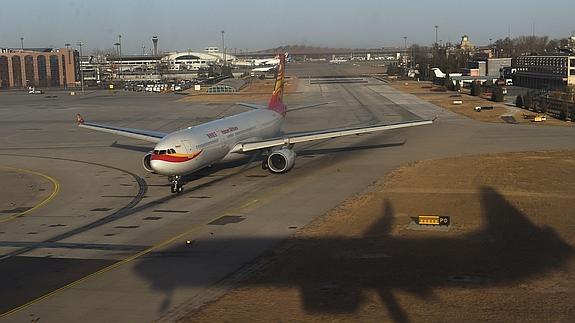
(111, 244)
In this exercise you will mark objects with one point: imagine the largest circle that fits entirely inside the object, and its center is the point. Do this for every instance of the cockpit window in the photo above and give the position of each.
(163, 151)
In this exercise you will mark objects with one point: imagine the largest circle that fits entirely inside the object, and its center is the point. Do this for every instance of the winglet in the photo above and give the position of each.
(79, 119)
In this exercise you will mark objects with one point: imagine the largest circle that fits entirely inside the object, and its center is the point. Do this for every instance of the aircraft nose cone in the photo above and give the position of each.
(157, 166)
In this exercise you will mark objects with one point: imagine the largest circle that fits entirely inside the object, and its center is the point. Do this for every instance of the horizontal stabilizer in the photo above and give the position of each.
(252, 106)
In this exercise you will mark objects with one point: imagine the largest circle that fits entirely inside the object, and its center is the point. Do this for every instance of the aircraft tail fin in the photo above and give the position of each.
(276, 101)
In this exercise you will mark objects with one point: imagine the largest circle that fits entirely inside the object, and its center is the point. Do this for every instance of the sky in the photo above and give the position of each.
(260, 24)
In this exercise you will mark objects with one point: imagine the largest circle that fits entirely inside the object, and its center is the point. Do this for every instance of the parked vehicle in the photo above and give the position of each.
(34, 91)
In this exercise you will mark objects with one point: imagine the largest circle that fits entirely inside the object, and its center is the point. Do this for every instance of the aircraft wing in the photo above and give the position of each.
(323, 134)
(301, 107)
(146, 135)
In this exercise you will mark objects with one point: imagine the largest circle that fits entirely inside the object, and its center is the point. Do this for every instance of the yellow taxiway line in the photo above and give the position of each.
(55, 190)
(133, 257)
(123, 261)
(270, 194)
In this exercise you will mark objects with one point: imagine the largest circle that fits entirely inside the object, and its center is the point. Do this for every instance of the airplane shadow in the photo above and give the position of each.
(337, 271)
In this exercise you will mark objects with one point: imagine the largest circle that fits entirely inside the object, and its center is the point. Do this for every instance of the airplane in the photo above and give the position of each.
(258, 62)
(337, 61)
(265, 62)
(233, 138)
(439, 77)
(263, 69)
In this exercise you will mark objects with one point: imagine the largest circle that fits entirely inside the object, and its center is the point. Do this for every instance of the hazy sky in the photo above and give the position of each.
(261, 24)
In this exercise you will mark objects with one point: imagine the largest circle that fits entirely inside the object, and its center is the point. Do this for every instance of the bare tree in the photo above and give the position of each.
(527, 45)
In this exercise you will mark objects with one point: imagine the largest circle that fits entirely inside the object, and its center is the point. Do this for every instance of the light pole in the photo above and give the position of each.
(412, 57)
(81, 70)
(120, 53)
(143, 66)
(22, 42)
(436, 27)
(117, 59)
(223, 47)
(405, 47)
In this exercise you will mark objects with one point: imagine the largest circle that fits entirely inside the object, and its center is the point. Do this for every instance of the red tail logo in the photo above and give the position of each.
(276, 102)
(79, 119)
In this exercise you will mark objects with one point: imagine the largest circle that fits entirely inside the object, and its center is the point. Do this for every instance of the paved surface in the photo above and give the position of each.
(111, 246)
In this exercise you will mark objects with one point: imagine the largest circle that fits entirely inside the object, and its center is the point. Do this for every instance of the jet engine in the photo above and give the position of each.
(146, 162)
(281, 161)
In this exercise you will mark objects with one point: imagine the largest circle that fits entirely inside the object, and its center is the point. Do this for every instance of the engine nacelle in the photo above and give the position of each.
(281, 161)
(146, 162)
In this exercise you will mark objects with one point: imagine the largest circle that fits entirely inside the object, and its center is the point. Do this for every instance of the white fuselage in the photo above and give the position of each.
(209, 143)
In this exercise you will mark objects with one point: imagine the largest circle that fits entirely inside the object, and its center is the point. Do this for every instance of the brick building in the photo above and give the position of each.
(42, 68)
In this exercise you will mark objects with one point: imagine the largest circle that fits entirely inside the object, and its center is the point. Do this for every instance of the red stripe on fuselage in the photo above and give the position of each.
(175, 158)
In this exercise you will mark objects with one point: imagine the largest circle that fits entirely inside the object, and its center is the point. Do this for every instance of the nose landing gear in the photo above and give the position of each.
(176, 185)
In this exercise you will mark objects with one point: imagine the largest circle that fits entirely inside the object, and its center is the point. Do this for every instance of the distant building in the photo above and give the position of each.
(177, 65)
(491, 67)
(545, 72)
(466, 45)
(39, 67)
(212, 50)
(475, 68)
(227, 85)
(134, 63)
(496, 65)
(571, 43)
(193, 60)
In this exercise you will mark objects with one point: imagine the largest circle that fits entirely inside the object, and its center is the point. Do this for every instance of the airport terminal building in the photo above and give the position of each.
(41, 67)
(545, 72)
(60, 67)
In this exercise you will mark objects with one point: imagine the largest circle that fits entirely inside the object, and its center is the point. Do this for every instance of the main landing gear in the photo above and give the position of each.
(176, 185)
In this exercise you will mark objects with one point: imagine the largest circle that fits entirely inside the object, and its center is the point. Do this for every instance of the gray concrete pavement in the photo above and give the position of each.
(112, 245)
